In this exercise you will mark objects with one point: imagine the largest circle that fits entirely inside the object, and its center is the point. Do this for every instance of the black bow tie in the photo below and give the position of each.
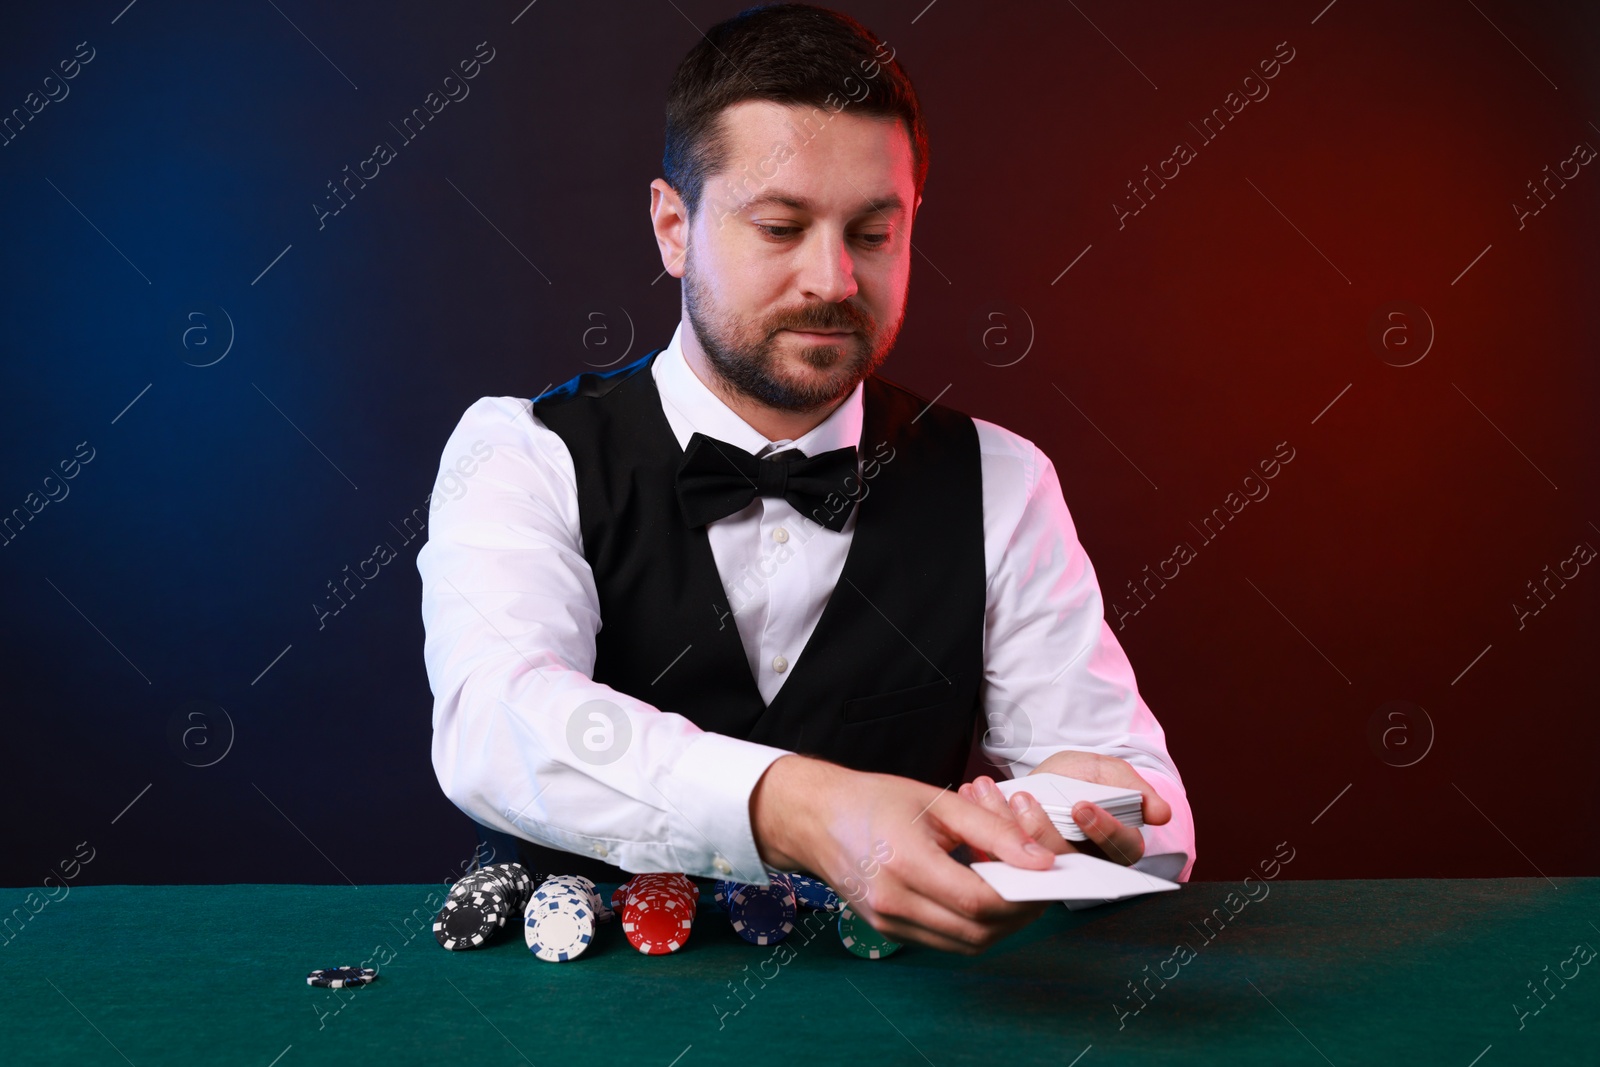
(717, 479)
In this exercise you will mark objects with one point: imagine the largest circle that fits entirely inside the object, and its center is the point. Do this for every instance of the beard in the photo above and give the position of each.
(745, 354)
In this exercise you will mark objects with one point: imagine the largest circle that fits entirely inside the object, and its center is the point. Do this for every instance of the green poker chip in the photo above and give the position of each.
(860, 938)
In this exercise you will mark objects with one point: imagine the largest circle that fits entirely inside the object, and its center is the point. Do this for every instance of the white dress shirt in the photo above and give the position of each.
(511, 612)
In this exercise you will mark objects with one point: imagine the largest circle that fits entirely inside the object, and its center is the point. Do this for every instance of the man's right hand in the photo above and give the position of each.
(883, 842)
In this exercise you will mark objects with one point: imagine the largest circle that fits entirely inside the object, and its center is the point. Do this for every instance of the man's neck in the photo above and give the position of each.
(772, 423)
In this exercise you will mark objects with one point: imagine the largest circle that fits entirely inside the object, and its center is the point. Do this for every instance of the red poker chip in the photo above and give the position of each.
(657, 925)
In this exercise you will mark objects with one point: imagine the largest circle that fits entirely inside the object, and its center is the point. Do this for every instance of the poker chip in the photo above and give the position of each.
(814, 893)
(342, 977)
(559, 926)
(560, 918)
(763, 914)
(677, 883)
(656, 922)
(657, 911)
(510, 882)
(860, 938)
(465, 923)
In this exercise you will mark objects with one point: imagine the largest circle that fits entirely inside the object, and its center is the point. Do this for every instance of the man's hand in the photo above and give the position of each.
(882, 842)
(1108, 838)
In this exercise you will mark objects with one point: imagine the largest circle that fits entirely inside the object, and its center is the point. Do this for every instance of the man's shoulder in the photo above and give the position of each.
(505, 421)
(597, 382)
(1006, 455)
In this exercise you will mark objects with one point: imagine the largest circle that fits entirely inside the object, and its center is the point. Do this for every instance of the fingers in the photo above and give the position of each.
(937, 901)
(1030, 816)
(1109, 770)
(991, 826)
(1110, 838)
(1156, 808)
(923, 919)
(1120, 844)
(1036, 822)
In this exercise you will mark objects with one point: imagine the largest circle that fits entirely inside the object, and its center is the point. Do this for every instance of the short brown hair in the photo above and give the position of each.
(788, 54)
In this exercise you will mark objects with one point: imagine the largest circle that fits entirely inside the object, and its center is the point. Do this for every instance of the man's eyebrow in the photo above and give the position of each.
(884, 204)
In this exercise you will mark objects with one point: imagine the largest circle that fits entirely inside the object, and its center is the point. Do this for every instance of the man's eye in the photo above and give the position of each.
(871, 240)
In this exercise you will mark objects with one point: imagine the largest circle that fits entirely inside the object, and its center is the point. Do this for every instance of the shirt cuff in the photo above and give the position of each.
(709, 790)
(1169, 848)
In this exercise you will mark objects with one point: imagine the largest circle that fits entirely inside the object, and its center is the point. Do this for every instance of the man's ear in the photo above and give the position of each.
(670, 221)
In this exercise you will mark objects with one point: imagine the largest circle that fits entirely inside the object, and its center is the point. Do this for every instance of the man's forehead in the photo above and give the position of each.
(887, 204)
(814, 159)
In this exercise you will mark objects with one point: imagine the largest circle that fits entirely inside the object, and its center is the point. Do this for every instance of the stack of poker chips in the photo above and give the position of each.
(657, 911)
(761, 914)
(480, 903)
(765, 914)
(561, 916)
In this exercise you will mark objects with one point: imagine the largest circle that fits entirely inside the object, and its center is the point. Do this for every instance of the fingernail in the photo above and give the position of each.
(1033, 848)
(983, 787)
(1022, 801)
(1084, 814)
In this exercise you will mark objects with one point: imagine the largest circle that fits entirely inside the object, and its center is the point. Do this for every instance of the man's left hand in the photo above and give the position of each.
(1108, 838)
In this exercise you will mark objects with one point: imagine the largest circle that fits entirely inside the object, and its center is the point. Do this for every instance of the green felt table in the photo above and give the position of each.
(1342, 972)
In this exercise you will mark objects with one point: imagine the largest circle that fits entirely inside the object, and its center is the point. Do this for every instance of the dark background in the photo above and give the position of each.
(160, 616)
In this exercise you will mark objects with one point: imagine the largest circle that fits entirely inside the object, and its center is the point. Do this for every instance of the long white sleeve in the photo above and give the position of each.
(511, 612)
(1055, 676)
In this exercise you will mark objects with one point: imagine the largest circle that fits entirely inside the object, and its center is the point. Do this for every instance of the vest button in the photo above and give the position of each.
(780, 664)
(780, 535)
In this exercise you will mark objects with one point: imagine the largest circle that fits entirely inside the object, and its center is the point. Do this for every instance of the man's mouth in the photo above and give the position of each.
(821, 334)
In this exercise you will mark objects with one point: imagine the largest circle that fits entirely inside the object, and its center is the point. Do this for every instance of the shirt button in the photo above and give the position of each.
(780, 535)
(721, 866)
(780, 664)
(601, 850)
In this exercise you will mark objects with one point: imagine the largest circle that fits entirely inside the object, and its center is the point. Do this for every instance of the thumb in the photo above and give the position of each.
(1156, 808)
(1000, 836)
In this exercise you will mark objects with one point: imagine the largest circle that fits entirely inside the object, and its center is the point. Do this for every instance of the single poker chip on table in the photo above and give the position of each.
(342, 977)
(464, 924)
(860, 938)
(763, 914)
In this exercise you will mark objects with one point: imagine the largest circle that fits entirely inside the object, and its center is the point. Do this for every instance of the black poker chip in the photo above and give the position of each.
(341, 977)
(512, 883)
(468, 923)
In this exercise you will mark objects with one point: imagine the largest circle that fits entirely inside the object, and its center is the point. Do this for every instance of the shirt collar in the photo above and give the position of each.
(691, 407)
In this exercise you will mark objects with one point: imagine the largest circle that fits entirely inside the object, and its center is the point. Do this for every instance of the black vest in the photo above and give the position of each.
(888, 680)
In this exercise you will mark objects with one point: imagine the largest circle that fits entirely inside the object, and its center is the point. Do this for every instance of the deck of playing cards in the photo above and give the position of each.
(1057, 793)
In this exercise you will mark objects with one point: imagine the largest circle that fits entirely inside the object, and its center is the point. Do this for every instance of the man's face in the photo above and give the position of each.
(808, 228)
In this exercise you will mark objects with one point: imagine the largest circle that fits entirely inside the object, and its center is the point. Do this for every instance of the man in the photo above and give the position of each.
(661, 638)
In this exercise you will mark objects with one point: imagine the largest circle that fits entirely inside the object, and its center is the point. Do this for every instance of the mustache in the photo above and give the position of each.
(824, 322)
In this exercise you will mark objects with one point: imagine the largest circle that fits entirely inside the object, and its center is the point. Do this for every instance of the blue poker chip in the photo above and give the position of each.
(763, 914)
(814, 893)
